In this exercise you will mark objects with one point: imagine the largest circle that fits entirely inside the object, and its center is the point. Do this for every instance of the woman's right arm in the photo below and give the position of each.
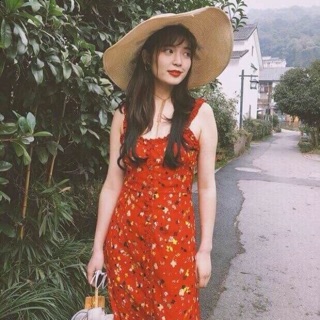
(108, 196)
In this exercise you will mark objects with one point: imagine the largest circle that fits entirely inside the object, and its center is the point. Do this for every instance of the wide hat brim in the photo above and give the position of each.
(210, 26)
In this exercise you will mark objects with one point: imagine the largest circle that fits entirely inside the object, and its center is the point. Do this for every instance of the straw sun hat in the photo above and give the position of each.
(210, 26)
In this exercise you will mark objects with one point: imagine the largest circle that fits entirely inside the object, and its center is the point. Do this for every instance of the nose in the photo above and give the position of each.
(177, 61)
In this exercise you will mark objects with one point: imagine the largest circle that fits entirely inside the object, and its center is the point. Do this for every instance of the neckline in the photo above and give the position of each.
(155, 139)
(186, 130)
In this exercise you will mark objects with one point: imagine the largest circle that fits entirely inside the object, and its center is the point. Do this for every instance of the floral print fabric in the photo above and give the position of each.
(150, 246)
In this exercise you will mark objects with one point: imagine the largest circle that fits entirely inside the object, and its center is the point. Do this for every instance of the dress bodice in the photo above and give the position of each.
(152, 175)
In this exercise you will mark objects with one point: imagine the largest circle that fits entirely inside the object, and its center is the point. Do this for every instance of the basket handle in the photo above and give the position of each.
(96, 299)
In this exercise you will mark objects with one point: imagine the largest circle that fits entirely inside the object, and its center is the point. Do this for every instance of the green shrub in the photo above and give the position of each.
(305, 146)
(87, 207)
(275, 121)
(258, 128)
(56, 108)
(310, 134)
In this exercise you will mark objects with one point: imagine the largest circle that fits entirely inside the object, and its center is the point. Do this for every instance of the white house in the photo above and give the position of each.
(273, 62)
(246, 57)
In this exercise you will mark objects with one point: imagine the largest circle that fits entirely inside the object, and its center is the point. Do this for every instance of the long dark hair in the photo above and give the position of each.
(139, 105)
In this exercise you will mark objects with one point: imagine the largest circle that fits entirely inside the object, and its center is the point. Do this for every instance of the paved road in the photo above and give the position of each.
(266, 255)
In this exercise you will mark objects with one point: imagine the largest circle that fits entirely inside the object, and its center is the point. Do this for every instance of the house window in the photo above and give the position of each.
(264, 88)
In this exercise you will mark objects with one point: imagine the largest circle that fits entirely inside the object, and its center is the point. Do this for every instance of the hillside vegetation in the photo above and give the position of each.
(291, 33)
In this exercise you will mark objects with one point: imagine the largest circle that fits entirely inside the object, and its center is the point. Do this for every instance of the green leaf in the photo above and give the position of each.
(27, 140)
(5, 166)
(17, 30)
(53, 147)
(53, 69)
(31, 120)
(18, 148)
(72, 5)
(85, 45)
(35, 5)
(33, 20)
(3, 196)
(105, 82)
(35, 46)
(3, 181)
(8, 128)
(21, 48)
(102, 36)
(83, 130)
(94, 134)
(42, 154)
(38, 64)
(26, 157)
(103, 117)
(86, 59)
(62, 182)
(23, 125)
(13, 5)
(37, 74)
(92, 87)
(55, 10)
(5, 35)
(42, 23)
(108, 87)
(53, 58)
(42, 229)
(66, 69)
(43, 134)
(77, 70)
(65, 54)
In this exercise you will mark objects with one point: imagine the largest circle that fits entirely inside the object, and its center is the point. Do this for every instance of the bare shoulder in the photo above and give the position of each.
(206, 116)
(207, 125)
(205, 111)
(204, 119)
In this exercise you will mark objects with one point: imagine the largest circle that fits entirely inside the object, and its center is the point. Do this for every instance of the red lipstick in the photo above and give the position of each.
(175, 73)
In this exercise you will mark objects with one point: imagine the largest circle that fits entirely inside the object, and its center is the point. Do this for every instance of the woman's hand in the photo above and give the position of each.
(96, 263)
(203, 264)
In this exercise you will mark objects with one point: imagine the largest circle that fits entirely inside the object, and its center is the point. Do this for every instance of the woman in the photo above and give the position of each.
(145, 231)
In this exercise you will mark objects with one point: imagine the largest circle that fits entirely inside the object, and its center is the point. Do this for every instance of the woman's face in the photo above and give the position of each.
(171, 65)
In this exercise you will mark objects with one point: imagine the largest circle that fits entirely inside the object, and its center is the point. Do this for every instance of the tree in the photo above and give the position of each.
(298, 94)
(56, 107)
(299, 45)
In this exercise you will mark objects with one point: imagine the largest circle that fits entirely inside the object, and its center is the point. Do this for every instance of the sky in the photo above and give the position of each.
(277, 4)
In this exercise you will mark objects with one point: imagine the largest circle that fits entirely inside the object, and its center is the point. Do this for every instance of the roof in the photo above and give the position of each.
(238, 54)
(244, 33)
(272, 74)
(271, 59)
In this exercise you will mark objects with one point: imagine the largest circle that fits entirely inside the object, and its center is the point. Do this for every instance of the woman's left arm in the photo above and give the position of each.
(206, 190)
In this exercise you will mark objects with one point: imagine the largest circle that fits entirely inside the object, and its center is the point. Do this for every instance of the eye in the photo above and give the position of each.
(167, 50)
(187, 54)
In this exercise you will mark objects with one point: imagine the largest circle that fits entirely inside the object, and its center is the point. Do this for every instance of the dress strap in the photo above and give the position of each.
(196, 106)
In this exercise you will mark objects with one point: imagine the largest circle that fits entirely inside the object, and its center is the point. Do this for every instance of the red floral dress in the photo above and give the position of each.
(150, 246)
